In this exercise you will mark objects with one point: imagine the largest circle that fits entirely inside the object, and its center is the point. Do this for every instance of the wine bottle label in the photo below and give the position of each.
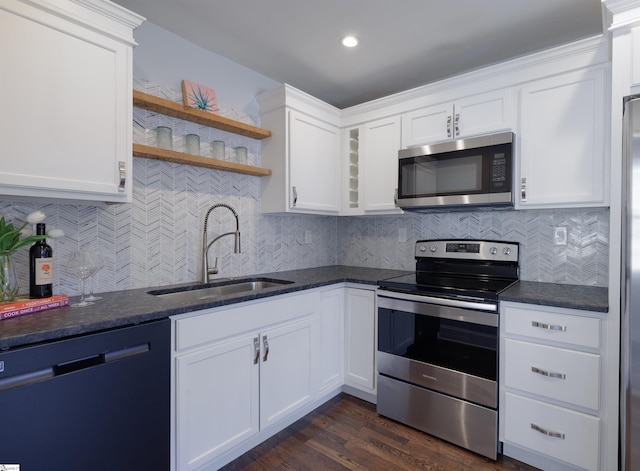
(44, 271)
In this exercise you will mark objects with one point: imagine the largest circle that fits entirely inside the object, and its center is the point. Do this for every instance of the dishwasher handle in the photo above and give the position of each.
(72, 366)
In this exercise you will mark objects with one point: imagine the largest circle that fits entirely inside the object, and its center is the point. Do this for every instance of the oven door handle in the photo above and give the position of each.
(418, 303)
(461, 303)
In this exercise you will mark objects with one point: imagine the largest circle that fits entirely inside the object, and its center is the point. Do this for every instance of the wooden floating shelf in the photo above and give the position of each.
(155, 153)
(176, 110)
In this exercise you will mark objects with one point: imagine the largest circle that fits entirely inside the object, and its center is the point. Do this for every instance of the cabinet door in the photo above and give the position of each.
(65, 96)
(482, 114)
(378, 158)
(314, 164)
(360, 339)
(477, 114)
(285, 370)
(427, 125)
(331, 340)
(216, 400)
(562, 141)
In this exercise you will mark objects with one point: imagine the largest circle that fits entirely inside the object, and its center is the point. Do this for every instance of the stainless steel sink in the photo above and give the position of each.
(223, 288)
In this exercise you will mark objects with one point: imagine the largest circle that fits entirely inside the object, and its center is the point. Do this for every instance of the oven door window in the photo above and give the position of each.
(460, 346)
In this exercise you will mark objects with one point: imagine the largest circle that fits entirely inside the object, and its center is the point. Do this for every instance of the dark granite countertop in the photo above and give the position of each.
(135, 306)
(587, 298)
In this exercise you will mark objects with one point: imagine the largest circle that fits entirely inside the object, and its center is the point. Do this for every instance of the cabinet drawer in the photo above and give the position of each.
(556, 373)
(526, 421)
(575, 330)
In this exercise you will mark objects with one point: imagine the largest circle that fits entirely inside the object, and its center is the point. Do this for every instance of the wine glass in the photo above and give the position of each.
(98, 264)
(80, 265)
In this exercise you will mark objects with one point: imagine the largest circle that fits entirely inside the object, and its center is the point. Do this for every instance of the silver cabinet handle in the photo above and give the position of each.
(448, 126)
(295, 196)
(523, 190)
(266, 347)
(256, 348)
(546, 432)
(549, 374)
(457, 124)
(122, 169)
(541, 325)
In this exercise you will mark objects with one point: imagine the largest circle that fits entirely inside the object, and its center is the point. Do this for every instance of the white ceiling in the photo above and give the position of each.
(404, 43)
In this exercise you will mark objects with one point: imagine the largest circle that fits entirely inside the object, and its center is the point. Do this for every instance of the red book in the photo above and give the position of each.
(28, 306)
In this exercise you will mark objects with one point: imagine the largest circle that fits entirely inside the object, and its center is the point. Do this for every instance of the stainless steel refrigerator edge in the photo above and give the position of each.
(630, 287)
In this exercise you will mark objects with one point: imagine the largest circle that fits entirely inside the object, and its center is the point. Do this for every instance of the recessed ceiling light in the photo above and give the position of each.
(349, 41)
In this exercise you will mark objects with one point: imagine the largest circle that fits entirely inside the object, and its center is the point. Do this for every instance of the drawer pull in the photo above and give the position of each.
(549, 374)
(561, 328)
(546, 432)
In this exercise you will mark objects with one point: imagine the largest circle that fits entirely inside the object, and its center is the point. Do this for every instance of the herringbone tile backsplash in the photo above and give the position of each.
(156, 239)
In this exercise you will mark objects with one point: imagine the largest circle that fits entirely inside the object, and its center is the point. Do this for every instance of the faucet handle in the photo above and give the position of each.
(214, 270)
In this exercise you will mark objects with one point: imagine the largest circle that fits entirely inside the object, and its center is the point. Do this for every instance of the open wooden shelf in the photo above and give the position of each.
(148, 152)
(176, 110)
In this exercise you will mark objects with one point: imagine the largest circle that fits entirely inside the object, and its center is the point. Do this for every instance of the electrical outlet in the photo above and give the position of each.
(560, 235)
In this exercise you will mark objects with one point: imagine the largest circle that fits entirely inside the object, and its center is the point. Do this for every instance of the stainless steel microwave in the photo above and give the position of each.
(472, 172)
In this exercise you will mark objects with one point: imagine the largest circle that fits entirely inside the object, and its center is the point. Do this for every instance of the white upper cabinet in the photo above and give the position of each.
(378, 163)
(66, 99)
(303, 153)
(562, 141)
(473, 115)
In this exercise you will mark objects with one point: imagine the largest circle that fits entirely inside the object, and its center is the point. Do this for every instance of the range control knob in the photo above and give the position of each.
(506, 251)
(433, 248)
(493, 250)
(423, 248)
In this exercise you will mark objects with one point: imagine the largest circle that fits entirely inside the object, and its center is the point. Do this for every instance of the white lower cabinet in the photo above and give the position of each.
(244, 372)
(330, 340)
(360, 340)
(551, 369)
(238, 372)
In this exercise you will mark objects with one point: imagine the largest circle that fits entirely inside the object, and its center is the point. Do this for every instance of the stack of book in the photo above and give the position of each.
(24, 306)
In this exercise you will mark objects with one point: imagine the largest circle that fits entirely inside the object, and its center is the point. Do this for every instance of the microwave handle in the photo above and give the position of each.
(523, 190)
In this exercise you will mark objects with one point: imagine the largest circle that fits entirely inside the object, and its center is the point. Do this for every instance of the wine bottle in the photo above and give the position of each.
(40, 267)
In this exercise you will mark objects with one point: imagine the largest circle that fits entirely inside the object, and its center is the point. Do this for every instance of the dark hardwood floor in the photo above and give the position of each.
(346, 433)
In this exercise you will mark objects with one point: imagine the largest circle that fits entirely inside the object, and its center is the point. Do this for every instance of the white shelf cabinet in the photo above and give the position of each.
(473, 115)
(303, 153)
(562, 141)
(66, 99)
(552, 363)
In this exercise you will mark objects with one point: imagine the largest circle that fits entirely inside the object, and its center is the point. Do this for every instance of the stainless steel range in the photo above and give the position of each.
(438, 341)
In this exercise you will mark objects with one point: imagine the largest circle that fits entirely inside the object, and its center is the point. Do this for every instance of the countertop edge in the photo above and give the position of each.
(137, 306)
